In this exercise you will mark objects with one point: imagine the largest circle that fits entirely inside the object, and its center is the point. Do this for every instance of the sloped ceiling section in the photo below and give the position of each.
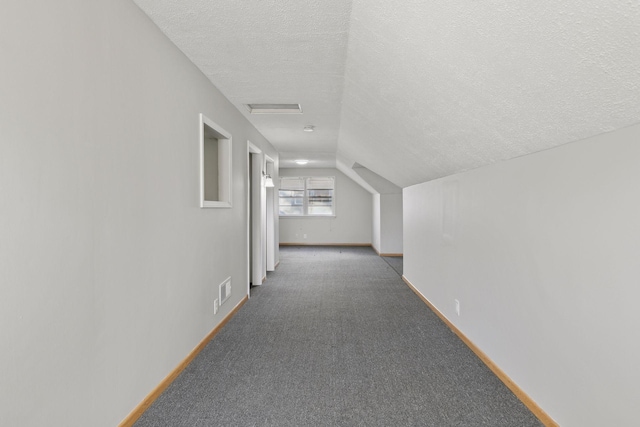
(381, 185)
(345, 166)
(435, 88)
(417, 90)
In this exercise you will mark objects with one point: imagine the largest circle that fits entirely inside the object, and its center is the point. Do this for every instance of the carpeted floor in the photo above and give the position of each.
(335, 338)
(394, 262)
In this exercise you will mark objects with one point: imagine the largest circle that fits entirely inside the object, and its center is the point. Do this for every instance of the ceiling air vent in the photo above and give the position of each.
(274, 108)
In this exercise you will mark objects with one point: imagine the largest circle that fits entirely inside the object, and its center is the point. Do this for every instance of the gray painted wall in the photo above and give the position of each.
(108, 267)
(542, 253)
(353, 220)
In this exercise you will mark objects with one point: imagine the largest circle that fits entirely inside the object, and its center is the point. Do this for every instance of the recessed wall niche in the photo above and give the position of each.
(215, 165)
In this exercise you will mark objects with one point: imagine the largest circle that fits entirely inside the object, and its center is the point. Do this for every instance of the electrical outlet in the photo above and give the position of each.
(304, 236)
(457, 307)
(216, 306)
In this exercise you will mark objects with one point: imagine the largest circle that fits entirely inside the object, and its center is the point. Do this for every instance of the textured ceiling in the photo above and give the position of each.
(268, 51)
(433, 88)
(417, 90)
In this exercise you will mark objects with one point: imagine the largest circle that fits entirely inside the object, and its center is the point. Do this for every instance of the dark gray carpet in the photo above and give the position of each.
(394, 262)
(335, 338)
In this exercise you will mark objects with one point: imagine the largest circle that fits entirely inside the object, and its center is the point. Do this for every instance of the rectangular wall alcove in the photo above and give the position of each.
(215, 165)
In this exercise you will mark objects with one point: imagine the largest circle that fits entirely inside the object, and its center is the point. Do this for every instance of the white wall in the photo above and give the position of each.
(108, 267)
(352, 223)
(375, 222)
(543, 254)
(387, 223)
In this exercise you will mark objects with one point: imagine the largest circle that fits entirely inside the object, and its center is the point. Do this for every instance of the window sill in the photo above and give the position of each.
(307, 216)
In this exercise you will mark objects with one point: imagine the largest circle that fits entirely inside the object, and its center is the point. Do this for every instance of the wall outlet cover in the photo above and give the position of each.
(224, 290)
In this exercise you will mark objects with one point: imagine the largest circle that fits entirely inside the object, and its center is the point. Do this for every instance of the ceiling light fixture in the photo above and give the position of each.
(274, 108)
(302, 162)
(309, 128)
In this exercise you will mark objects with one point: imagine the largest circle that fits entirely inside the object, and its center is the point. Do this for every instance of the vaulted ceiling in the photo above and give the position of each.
(417, 90)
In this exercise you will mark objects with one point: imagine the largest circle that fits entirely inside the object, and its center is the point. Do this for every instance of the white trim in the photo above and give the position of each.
(253, 205)
(270, 192)
(307, 216)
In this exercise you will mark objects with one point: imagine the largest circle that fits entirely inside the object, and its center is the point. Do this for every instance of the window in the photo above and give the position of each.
(215, 165)
(307, 196)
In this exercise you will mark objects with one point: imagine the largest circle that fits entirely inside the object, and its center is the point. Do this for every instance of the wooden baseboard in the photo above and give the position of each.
(520, 394)
(383, 254)
(156, 392)
(326, 244)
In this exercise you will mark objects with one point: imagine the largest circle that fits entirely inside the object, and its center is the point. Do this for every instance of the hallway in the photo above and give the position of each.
(335, 338)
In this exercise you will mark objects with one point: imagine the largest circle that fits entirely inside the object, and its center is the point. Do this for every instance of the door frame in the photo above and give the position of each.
(270, 228)
(255, 201)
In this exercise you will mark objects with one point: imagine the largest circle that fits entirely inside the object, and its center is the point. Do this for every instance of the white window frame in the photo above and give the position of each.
(305, 205)
(223, 166)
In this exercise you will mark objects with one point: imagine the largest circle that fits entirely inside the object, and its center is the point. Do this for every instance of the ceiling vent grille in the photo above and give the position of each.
(274, 108)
